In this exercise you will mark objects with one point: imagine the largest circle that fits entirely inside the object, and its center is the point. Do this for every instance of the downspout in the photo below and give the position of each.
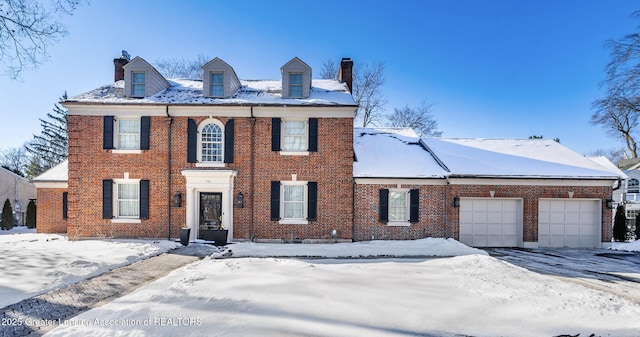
(252, 174)
(169, 120)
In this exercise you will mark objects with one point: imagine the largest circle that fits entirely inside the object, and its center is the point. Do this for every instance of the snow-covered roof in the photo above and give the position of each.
(609, 166)
(390, 153)
(399, 153)
(266, 92)
(58, 173)
(514, 158)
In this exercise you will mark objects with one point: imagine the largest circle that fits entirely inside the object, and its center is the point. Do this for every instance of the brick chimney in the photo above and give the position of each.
(345, 73)
(119, 65)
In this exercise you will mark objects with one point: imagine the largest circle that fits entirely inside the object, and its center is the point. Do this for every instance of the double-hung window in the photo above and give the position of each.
(294, 136)
(399, 206)
(128, 131)
(138, 84)
(217, 84)
(125, 200)
(127, 203)
(294, 201)
(295, 84)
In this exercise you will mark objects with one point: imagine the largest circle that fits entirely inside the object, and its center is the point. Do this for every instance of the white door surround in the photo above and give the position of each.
(209, 181)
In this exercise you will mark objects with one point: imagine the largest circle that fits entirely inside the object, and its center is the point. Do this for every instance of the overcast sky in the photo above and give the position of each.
(494, 69)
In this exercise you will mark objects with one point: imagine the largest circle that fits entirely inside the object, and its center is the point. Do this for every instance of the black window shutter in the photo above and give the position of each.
(384, 205)
(192, 141)
(107, 135)
(107, 199)
(228, 141)
(65, 208)
(313, 134)
(275, 134)
(144, 199)
(312, 201)
(275, 200)
(145, 128)
(414, 206)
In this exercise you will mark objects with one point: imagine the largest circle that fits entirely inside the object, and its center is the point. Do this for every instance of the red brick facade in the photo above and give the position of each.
(49, 211)
(439, 217)
(330, 167)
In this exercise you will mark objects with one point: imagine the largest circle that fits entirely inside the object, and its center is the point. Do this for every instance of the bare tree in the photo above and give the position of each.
(619, 115)
(181, 67)
(329, 70)
(420, 119)
(15, 160)
(618, 111)
(367, 92)
(27, 28)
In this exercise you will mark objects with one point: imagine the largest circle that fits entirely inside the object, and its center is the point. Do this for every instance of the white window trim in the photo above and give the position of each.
(301, 85)
(396, 223)
(301, 221)
(116, 136)
(134, 83)
(117, 219)
(199, 162)
(285, 152)
(211, 73)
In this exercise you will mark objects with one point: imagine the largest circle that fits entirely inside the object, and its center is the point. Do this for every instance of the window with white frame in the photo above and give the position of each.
(217, 84)
(294, 136)
(127, 199)
(211, 142)
(294, 201)
(128, 134)
(398, 205)
(632, 213)
(138, 83)
(295, 84)
(633, 186)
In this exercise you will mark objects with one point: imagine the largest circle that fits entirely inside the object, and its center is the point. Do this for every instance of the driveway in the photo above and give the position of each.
(612, 271)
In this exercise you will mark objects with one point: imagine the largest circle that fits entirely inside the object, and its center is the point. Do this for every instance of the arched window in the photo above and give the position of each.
(633, 186)
(211, 142)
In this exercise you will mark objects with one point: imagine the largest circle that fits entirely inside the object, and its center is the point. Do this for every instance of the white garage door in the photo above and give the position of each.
(568, 223)
(490, 222)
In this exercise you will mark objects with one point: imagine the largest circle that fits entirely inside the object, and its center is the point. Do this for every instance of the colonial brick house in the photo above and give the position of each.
(281, 161)
(262, 159)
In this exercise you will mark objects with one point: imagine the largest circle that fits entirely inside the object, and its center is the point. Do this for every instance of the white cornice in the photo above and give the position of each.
(51, 184)
(531, 182)
(402, 181)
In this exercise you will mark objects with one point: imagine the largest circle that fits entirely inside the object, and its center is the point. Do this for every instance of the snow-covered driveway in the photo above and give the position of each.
(617, 272)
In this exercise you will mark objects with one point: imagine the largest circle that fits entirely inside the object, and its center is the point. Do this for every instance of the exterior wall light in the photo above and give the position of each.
(240, 200)
(177, 199)
(456, 201)
(610, 203)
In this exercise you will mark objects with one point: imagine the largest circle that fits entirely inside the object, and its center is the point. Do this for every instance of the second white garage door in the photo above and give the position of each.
(491, 222)
(568, 223)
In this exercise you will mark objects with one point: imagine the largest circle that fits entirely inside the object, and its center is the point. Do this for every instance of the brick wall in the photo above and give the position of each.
(438, 217)
(49, 211)
(331, 167)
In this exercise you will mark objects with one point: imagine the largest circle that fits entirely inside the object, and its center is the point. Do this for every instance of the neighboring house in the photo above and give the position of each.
(52, 211)
(280, 161)
(486, 193)
(263, 159)
(629, 193)
(19, 191)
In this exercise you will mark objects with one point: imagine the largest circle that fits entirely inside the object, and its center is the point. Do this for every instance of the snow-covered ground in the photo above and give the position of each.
(33, 263)
(470, 293)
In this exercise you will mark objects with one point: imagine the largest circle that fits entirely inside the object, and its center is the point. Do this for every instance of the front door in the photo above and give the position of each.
(210, 212)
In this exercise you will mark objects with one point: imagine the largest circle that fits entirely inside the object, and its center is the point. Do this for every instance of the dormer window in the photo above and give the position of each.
(296, 79)
(295, 84)
(138, 84)
(217, 84)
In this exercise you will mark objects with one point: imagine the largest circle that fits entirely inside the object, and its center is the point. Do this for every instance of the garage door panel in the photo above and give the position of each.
(568, 223)
(490, 222)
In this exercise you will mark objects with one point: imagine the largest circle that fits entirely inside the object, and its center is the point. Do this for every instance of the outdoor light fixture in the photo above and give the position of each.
(334, 235)
(240, 200)
(177, 199)
(456, 201)
(610, 203)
